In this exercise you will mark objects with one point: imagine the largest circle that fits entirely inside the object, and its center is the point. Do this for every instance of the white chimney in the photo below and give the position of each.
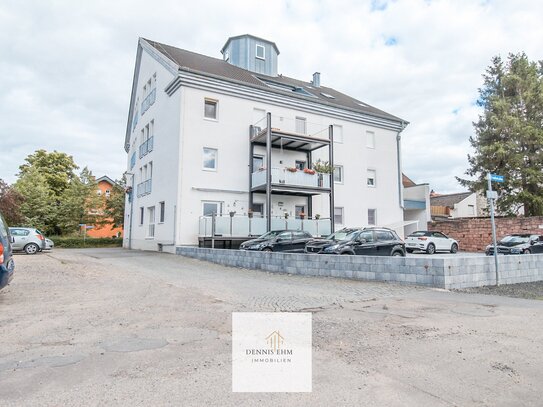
(316, 79)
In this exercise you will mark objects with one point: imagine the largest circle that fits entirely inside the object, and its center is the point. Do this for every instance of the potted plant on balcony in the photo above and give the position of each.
(317, 216)
(301, 215)
(292, 169)
(286, 215)
(250, 213)
(309, 171)
(322, 167)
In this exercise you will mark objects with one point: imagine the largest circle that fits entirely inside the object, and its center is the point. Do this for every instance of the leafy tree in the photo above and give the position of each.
(79, 203)
(115, 203)
(509, 134)
(58, 169)
(38, 207)
(10, 202)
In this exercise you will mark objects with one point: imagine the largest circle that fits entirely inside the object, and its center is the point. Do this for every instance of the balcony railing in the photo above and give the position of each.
(243, 225)
(148, 101)
(133, 160)
(146, 146)
(298, 178)
(144, 187)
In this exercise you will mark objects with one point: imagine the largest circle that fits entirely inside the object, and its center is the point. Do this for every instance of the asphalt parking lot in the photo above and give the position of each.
(116, 327)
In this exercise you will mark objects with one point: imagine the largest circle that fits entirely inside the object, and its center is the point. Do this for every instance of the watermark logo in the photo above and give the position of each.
(271, 352)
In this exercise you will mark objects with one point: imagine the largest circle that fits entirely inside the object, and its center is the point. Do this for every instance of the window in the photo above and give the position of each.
(210, 159)
(300, 165)
(471, 210)
(258, 208)
(370, 139)
(141, 215)
(372, 216)
(367, 236)
(99, 192)
(338, 174)
(384, 235)
(298, 210)
(301, 125)
(151, 213)
(285, 236)
(162, 208)
(260, 51)
(338, 216)
(210, 109)
(210, 208)
(226, 56)
(258, 162)
(338, 133)
(372, 175)
(108, 193)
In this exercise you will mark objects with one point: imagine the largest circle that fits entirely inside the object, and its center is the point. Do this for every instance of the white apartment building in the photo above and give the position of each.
(211, 138)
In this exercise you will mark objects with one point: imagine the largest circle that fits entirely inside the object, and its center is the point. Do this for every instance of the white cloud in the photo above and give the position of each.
(66, 67)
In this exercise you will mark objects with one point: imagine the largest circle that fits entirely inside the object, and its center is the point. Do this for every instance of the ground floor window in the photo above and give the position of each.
(210, 208)
(162, 206)
(151, 214)
(258, 208)
(372, 216)
(299, 210)
(338, 216)
(141, 215)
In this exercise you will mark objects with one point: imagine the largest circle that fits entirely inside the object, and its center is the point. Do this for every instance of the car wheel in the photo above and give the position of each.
(431, 249)
(527, 251)
(454, 248)
(267, 249)
(347, 253)
(397, 254)
(409, 250)
(32, 248)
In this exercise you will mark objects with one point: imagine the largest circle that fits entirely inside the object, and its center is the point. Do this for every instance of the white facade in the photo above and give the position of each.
(181, 182)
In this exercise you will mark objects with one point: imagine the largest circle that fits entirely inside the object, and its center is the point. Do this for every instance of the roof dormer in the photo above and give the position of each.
(252, 53)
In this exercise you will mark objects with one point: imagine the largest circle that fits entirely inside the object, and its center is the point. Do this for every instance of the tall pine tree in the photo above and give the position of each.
(509, 135)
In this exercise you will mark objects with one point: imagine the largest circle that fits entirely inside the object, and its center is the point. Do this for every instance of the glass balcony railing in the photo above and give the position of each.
(133, 160)
(292, 178)
(144, 187)
(148, 101)
(147, 146)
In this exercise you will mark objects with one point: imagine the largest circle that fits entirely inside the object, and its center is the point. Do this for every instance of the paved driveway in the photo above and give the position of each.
(112, 327)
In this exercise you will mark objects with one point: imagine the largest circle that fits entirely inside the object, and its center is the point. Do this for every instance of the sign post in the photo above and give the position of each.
(492, 195)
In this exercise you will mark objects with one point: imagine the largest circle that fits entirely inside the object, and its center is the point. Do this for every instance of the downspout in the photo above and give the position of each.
(399, 158)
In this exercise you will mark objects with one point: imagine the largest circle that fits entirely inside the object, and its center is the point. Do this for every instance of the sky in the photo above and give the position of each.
(66, 67)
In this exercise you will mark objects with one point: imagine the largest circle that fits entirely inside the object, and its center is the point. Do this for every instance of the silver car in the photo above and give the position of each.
(29, 240)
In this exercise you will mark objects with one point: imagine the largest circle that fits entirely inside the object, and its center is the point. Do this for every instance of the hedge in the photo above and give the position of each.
(77, 242)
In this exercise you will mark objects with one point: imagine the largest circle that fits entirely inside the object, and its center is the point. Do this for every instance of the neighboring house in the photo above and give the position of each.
(416, 204)
(459, 205)
(105, 186)
(227, 136)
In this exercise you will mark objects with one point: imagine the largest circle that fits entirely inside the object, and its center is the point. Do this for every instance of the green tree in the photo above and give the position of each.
(115, 203)
(79, 203)
(57, 168)
(38, 207)
(10, 203)
(509, 134)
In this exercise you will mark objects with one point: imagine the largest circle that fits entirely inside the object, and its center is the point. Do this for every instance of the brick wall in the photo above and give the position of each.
(473, 234)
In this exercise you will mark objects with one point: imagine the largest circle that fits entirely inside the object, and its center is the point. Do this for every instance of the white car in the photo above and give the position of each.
(430, 242)
(49, 244)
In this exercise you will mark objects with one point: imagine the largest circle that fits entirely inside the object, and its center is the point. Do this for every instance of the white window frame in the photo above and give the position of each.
(216, 159)
(370, 139)
(374, 216)
(338, 133)
(216, 102)
(342, 215)
(371, 173)
(151, 215)
(342, 177)
(300, 120)
(218, 203)
(263, 57)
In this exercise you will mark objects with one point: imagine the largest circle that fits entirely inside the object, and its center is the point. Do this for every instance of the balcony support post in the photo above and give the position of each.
(331, 175)
(268, 171)
(310, 198)
(251, 169)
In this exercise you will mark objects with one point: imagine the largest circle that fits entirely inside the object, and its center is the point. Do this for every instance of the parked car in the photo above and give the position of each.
(430, 242)
(517, 244)
(49, 244)
(367, 241)
(29, 240)
(7, 265)
(279, 241)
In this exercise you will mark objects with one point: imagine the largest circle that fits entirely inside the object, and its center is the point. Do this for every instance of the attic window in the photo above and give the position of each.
(260, 51)
(327, 95)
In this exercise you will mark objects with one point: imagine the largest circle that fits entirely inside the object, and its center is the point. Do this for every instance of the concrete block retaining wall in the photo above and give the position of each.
(433, 271)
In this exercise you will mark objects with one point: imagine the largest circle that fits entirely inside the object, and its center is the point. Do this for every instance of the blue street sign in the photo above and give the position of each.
(496, 178)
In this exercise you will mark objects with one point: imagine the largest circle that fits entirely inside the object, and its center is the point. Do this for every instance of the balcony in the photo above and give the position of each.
(284, 177)
(144, 188)
(148, 101)
(146, 147)
(133, 160)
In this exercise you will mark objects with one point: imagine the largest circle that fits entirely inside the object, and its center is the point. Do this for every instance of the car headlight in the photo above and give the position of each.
(516, 250)
(331, 248)
(257, 246)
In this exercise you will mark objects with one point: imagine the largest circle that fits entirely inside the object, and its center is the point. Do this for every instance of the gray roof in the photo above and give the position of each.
(215, 67)
(449, 200)
(105, 178)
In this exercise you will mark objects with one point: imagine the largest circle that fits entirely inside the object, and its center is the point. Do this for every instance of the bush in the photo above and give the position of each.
(71, 242)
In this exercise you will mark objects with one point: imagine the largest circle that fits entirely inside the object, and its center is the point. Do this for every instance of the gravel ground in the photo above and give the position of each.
(531, 291)
(109, 327)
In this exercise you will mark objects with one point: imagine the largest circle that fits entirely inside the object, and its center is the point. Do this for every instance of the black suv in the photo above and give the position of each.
(367, 241)
(6, 259)
(518, 244)
(279, 241)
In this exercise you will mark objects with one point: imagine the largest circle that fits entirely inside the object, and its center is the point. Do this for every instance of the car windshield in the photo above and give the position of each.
(516, 239)
(343, 235)
(270, 235)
